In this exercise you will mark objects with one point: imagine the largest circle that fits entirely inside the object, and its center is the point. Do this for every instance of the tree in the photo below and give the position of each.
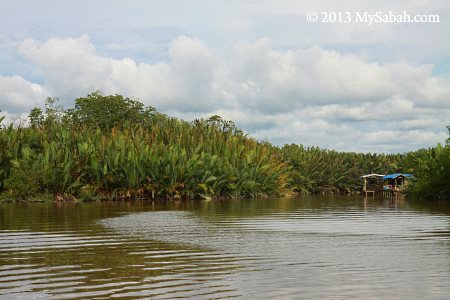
(448, 140)
(36, 117)
(1, 119)
(224, 125)
(106, 112)
(433, 174)
(54, 112)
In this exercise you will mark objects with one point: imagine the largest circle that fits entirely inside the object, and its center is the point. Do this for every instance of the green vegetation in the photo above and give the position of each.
(129, 151)
(433, 173)
(323, 171)
(112, 147)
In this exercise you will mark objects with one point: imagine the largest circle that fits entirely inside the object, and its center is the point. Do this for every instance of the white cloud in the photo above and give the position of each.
(312, 95)
(20, 120)
(256, 76)
(69, 66)
(19, 95)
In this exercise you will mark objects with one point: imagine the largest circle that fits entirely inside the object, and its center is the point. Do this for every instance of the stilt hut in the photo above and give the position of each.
(396, 183)
(371, 183)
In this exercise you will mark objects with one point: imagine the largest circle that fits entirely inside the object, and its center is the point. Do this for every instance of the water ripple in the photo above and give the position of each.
(252, 249)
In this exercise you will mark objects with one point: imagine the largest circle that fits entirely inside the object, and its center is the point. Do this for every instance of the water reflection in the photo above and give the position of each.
(314, 247)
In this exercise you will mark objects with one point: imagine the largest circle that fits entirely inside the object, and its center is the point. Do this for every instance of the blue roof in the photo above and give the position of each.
(391, 176)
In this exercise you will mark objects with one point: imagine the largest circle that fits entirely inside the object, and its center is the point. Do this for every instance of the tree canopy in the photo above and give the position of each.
(105, 112)
(1, 119)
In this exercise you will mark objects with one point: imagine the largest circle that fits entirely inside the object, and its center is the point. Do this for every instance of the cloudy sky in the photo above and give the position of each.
(351, 86)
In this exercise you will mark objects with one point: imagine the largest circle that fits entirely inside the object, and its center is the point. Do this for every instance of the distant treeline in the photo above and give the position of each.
(113, 147)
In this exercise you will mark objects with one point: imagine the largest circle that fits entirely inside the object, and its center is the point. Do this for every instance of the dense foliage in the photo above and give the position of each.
(114, 147)
(317, 170)
(433, 173)
(133, 151)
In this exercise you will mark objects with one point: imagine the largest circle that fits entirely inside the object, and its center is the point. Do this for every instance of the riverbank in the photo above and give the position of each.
(115, 148)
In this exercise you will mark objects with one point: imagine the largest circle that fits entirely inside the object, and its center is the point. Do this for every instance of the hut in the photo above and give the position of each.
(371, 183)
(396, 183)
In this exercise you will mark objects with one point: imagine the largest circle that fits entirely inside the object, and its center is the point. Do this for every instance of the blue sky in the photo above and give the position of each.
(354, 87)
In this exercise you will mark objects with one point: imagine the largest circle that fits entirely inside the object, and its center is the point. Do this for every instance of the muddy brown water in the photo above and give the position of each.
(297, 248)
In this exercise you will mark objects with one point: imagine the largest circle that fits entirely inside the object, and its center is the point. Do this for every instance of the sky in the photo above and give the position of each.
(349, 86)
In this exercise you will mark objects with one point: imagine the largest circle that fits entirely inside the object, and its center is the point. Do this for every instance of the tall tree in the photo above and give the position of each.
(36, 117)
(1, 119)
(105, 112)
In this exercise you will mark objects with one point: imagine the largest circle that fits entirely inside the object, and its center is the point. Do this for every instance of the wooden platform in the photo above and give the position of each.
(369, 192)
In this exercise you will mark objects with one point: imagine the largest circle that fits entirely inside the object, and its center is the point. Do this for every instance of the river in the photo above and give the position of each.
(334, 247)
